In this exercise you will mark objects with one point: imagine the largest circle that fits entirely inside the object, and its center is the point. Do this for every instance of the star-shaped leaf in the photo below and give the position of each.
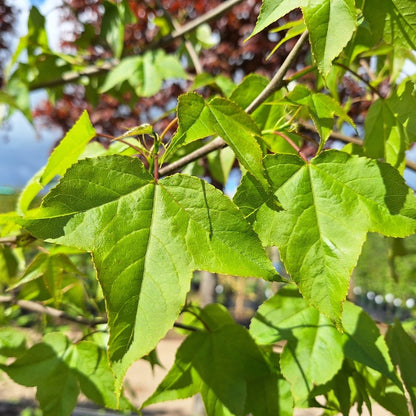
(329, 205)
(146, 240)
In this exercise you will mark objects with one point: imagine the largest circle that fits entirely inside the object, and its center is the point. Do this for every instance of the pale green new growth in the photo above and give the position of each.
(63, 156)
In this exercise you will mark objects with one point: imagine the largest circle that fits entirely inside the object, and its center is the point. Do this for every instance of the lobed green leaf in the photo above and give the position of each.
(329, 205)
(146, 239)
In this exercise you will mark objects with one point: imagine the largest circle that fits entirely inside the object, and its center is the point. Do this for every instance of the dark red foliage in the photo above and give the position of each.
(232, 57)
(7, 20)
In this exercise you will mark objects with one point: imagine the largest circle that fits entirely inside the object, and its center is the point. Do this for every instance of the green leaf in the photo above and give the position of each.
(388, 395)
(364, 343)
(145, 73)
(313, 353)
(390, 127)
(267, 116)
(151, 236)
(225, 366)
(54, 271)
(329, 206)
(9, 264)
(403, 352)
(45, 366)
(331, 24)
(59, 369)
(321, 108)
(295, 28)
(63, 156)
(220, 164)
(315, 350)
(394, 20)
(273, 10)
(220, 116)
(12, 342)
(122, 72)
(95, 377)
(115, 17)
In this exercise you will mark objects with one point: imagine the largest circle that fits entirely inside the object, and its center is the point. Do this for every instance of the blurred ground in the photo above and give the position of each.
(141, 381)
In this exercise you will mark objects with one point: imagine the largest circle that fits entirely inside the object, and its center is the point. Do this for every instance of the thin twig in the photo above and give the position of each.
(292, 143)
(37, 307)
(187, 327)
(193, 24)
(218, 143)
(357, 75)
(278, 79)
(8, 241)
(334, 134)
(169, 126)
(176, 34)
(188, 44)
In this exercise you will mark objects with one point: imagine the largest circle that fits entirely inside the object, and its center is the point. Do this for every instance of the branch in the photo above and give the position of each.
(276, 82)
(9, 241)
(193, 56)
(357, 75)
(193, 24)
(37, 307)
(292, 143)
(176, 34)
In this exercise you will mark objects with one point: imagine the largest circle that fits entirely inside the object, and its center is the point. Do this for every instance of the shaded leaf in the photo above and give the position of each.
(225, 366)
(364, 343)
(321, 108)
(394, 20)
(403, 352)
(315, 349)
(12, 342)
(60, 369)
(313, 353)
(390, 127)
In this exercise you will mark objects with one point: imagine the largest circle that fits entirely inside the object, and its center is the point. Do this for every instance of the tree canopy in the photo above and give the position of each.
(159, 100)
